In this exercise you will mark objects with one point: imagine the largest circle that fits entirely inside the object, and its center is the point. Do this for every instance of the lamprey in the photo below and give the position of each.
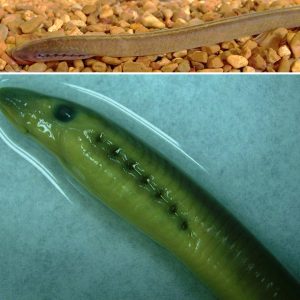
(157, 42)
(139, 184)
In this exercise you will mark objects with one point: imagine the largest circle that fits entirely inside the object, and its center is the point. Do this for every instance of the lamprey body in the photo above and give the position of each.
(139, 184)
(157, 42)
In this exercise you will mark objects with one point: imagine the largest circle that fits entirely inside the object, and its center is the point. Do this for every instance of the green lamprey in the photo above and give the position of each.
(143, 187)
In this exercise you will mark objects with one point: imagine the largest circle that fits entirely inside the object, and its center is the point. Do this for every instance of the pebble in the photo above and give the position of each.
(199, 56)
(237, 61)
(32, 25)
(219, 70)
(150, 21)
(99, 66)
(284, 51)
(296, 66)
(3, 32)
(58, 23)
(272, 56)
(62, 67)
(248, 69)
(88, 9)
(111, 60)
(169, 68)
(2, 64)
(257, 62)
(214, 62)
(37, 67)
(131, 66)
(295, 45)
(285, 65)
(184, 66)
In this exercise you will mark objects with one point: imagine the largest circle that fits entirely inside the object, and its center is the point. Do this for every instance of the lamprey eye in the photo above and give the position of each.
(64, 113)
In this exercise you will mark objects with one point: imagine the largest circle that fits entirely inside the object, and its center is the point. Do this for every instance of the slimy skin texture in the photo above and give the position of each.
(137, 183)
(157, 42)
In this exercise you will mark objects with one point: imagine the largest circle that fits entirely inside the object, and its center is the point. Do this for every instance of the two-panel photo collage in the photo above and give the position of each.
(150, 149)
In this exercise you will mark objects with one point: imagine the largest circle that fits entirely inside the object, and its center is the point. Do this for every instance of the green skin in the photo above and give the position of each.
(141, 186)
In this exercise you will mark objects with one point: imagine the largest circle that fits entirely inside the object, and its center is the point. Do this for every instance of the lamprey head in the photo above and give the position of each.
(47, 119)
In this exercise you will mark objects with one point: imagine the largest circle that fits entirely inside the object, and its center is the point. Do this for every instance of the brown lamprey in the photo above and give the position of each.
(157, 42)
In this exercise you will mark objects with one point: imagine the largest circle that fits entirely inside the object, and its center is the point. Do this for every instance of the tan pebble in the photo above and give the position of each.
(284, 51)
(229, 45)
(92, 19)
(62, 67)
(214, 62)
(182, 53)
(87, 69)
(106, 12)
(211, 70)
(74, 31)
(144, 60)
(244, 39)
(272, 56)
(2, 64)
(246, 52)
(235, 71)
(150, 7)
(10, 40)
(127, 58)
(226, 10)
(116, 30)
(272, 39)
(248, 69)
(169, 68)
(250, 44)
(163, 62)
(78, 63)
(2, 47)
(210, 16)
(118, 68)
(90, 61)
(131, 66)
(212, 49)
(227, 68)
(32, 25)
(290, 36)
(257, 62)
(295, 45)
(150, 21)
(9, 68)
(111, 60)
(168, 13)
(66, 18)
(179, 23)
(88, 9)
(28, 15)
(155, 66)
(195, 21)
(58, 23)
(237, 61)
(3, 32)
(49, 70)
(138, 27)
(184, 66)
(99, 66)
(198, 56)
(37, 67)
(177, 60)
(98, 27)
(130, 31)
(81, 15)
(296, 66)
(270, 69)
(124, 24)
(78, 23)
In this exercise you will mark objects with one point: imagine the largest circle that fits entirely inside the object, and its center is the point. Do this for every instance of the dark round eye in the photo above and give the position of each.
(64, 113)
